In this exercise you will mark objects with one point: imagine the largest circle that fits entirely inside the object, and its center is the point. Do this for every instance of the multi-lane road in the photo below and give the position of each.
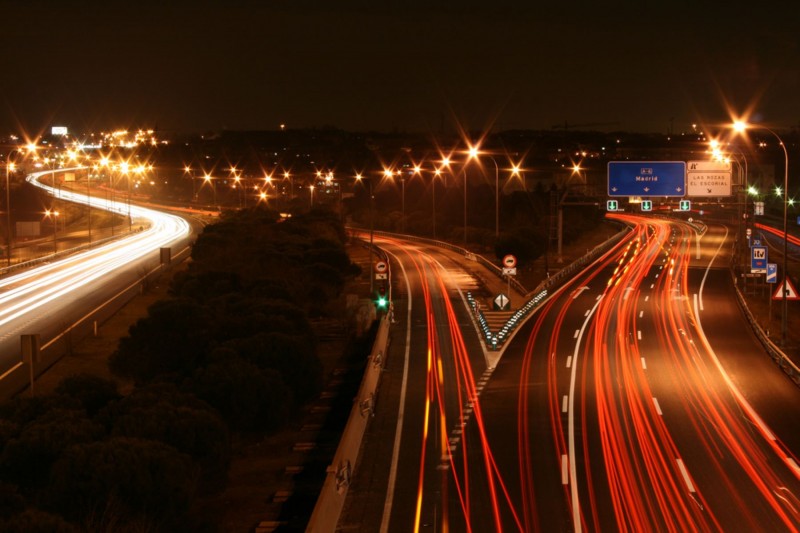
(50, 298)
(636, 399)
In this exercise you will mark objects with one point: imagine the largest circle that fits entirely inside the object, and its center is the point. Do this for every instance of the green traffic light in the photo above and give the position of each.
(382, 302)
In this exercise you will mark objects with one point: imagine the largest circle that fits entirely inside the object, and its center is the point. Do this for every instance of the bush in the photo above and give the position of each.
(92, 392)
(291, 356)
(26, 460)
(135, 477)
(171, 340)
(164, 414)
(247, 397)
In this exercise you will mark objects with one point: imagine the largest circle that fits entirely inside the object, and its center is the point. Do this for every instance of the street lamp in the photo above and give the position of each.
(390, 174)
(208, 179)
(9, 167)
(360, 179)
(475, 153)
(740, 126)
(53, 215)
(287, 176)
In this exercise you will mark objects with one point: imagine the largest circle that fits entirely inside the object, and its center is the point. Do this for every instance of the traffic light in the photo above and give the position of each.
(647, 205)
(685, 205)
(612, 205)
(381, 301)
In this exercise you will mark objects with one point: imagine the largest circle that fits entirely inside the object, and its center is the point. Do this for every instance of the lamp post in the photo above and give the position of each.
(436, 174)
(53, 215)
(9, 167)
(208, 179)
(89, 202)
(475, 153)
(359, 179)
(740, 126)
(288, 176)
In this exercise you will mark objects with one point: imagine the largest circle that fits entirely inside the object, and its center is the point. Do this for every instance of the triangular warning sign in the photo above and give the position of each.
(791, 292)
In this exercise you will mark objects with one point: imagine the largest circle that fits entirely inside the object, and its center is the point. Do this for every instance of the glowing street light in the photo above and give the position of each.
(360, 179)
(9, 168)
(740, 127)
(288, 176)
(53, 214)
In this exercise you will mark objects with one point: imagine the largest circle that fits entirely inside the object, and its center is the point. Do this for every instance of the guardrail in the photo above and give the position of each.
(18, 377)
(773, 350)
(330, 502)
(532, 298)
(471, 256)
(47, 258)
(331, 499)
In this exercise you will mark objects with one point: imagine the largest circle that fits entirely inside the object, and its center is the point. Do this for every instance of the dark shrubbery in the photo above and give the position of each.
(232, 350)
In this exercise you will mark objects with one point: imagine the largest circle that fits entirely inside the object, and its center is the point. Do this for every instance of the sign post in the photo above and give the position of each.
(772, 277)
(758, 259)
(509, 269)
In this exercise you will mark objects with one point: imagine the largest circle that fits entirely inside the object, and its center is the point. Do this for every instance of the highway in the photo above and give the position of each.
(635, 399)
(49, 298)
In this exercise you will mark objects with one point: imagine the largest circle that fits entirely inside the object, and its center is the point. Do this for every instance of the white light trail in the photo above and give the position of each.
(35, 287)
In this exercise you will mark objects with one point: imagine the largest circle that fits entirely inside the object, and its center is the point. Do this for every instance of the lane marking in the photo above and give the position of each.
(573, 475)
(577, 332)
(569, 361)
(564, 470)
(641, 314)
(685, 475)
(564, 404)
(639, 334)
(658, 407)
(401, 409)
(644, 364)
(646, 298)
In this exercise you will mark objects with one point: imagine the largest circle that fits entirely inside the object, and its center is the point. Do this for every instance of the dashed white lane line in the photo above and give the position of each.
(658, 407)
(685, 475)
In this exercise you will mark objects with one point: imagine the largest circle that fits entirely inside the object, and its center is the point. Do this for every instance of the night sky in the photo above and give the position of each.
(410, 66)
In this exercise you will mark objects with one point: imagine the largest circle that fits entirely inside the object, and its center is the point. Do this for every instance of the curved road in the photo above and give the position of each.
(50, 298)
(635, 399)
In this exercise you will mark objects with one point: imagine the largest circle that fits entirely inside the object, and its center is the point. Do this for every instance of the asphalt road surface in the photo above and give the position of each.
(635, 399)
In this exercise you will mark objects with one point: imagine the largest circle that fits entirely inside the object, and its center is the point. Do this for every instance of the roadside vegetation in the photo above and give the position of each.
(232, 351)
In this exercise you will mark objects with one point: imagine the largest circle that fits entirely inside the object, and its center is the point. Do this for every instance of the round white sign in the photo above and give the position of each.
(509, 261)
(380, 267)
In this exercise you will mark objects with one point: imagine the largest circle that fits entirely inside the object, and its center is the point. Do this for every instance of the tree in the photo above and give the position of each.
(36, 521)
(164, 414)
(171, 340)
(247, 397)
(26, 460)
(135, 477)
(291, 356)
(93, 392)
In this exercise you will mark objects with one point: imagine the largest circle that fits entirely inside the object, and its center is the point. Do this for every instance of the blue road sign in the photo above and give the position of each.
(758, 259)
(646, 178)
(772, 273)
